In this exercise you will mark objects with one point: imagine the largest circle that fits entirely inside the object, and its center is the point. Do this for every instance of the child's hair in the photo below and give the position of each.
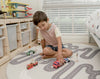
(39, 16)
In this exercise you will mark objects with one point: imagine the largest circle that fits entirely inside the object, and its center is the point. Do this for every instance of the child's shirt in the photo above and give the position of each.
(50, 35)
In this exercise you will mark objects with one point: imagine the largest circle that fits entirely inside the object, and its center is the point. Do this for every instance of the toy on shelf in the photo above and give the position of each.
(4, 13)
(28, 14)
(1, 12)
(4, 5)
(15, 9)
(56, 63)
(29, 52)
(12, 8)
(32, 64)
(28, 8)
(5, 8)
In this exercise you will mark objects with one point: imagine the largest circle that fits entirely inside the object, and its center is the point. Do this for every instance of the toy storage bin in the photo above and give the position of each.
(1, 41)
(12, 36)
(25, 37)
(23, 25)
(33, 31)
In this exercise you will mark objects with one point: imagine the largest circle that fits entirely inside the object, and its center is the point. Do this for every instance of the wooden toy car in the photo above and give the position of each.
(56, 64)
(29, 52)
(31, 65)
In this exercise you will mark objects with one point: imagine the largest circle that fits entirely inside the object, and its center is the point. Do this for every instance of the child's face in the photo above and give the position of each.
(43, 25)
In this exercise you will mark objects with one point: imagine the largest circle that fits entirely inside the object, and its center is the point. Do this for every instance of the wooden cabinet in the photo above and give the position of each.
(16, 36)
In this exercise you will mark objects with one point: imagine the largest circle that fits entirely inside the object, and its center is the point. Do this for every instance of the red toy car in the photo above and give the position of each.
(56, 64)
(31, 65)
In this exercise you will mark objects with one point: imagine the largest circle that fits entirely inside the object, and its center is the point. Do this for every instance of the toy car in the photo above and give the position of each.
(56, 64)
(28, 53)
(31, 65)
(66, 59)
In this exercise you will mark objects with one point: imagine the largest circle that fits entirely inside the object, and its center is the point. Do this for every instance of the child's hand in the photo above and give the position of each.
(60, 59)
(41, 54)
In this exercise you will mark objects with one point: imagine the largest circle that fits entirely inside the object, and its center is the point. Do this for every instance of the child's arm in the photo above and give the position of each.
(43, 43)
(37, 31)
(59, 55)
(42, 40)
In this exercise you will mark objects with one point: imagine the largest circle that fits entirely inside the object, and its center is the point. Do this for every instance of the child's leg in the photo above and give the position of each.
(66, 52)
(49, 53)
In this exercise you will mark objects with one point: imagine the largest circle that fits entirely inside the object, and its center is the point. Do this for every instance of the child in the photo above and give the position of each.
(50, 38)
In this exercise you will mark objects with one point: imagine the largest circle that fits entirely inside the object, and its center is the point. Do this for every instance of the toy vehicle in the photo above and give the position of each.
(66, 59)
(31, 65)
(28, 8)
(56, 64)
(28, 53)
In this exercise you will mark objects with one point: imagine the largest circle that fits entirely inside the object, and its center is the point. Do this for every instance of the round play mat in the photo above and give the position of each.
(84, 64)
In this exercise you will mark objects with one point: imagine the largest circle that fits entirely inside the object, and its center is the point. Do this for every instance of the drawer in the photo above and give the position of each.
(33, 30)
(24, 25)
(25, 37)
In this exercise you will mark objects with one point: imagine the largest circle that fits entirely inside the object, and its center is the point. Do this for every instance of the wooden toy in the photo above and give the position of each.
(1, 12)
(5, 8)
(28, 8)
(12, 8)
(31, 65)
(29, 52)
(15, 9)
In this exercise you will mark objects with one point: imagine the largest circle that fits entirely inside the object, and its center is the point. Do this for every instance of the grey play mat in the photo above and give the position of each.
(84, 66)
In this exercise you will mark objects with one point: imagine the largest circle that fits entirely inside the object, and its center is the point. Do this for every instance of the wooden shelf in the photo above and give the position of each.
(20, 47)
(17, 10)
(18, 3)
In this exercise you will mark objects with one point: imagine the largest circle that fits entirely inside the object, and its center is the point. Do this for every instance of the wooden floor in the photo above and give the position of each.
(3, 67)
